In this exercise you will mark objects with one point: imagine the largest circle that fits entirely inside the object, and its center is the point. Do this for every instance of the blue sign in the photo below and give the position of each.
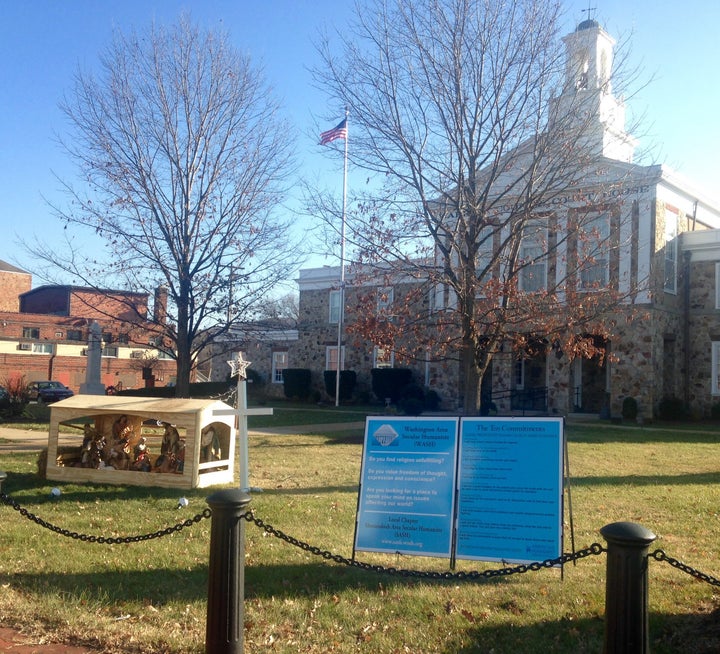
(510, 488)
(407, 486)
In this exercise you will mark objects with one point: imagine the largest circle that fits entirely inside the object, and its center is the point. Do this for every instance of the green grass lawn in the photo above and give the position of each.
(151, 597)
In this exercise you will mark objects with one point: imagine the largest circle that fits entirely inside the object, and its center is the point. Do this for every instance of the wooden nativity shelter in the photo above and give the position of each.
(172, 443)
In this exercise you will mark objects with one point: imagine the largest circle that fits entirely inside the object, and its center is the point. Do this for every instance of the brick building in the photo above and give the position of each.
(666, 258)
(44, 333)
(14, 283)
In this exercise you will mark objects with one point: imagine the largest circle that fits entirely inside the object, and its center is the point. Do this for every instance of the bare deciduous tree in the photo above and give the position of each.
(280, 310)
(184, 161)
(463, 110)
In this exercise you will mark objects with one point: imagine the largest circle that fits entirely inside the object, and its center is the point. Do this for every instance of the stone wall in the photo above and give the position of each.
(704, 328)
(316, 334)
(658, 349)
(259, 350)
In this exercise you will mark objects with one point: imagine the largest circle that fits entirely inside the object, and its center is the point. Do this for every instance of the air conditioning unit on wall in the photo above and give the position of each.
(24, 346)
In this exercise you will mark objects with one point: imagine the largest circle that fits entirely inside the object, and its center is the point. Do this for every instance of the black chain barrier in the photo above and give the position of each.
(659, 555)
(594, 549)
(103, 540)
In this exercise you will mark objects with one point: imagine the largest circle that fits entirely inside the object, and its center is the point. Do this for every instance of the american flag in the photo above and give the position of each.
(337, 132)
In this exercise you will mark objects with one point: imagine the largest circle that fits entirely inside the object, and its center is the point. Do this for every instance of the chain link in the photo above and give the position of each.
(659, 555)
(594, 549)
(104, 540)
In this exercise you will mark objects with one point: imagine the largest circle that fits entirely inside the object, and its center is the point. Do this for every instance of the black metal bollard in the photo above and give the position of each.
(626, 588)
(226, 583)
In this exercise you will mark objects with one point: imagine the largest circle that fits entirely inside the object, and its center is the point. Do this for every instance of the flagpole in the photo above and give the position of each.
(341, 317)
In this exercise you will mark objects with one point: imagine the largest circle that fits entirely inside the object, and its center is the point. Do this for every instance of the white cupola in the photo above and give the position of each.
(589, 53)
(587, 100)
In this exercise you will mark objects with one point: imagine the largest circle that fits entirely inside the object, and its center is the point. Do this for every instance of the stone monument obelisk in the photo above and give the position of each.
(92, 384)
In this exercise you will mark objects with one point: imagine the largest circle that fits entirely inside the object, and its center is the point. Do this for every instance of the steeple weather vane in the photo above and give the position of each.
(589, 10)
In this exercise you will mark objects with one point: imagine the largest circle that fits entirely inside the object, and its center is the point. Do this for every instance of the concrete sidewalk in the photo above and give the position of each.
(28, 440)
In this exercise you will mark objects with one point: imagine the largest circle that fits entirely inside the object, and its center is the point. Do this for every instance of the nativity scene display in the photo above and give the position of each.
(142, 441)
(128, 447)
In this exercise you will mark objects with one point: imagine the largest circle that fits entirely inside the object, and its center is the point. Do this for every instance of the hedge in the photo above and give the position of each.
(296, 383)
(390, 382)
(348, 379)
(197, 390)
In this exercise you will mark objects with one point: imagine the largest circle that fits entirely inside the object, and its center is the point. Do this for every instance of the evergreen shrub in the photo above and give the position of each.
(414, 391)
(296, 383)
(348, 379)
(672, 408)
(390, 382)
(629, 408)
(411, 406)
(432, 400)
(197, 390)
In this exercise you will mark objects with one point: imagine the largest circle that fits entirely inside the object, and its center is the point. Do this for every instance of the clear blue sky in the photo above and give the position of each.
(43, 41)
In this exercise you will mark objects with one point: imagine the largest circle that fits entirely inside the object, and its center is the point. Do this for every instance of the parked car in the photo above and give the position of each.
(48, 391)
(4, 395)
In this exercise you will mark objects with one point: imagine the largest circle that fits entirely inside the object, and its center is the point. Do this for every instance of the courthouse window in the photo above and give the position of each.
(383, 358)
(484, 255)
(533, 258)
(335, 297)
(520, 373)
(331, 358)
(715, 373)
(279, 363)
(594, 252)
(385, 297)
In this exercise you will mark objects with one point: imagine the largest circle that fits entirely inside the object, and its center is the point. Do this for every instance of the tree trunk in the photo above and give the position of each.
(184, 354)
(471, 379)
(182, 384)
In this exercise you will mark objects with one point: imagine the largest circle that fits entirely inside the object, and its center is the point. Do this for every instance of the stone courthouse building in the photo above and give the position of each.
(667, 259)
